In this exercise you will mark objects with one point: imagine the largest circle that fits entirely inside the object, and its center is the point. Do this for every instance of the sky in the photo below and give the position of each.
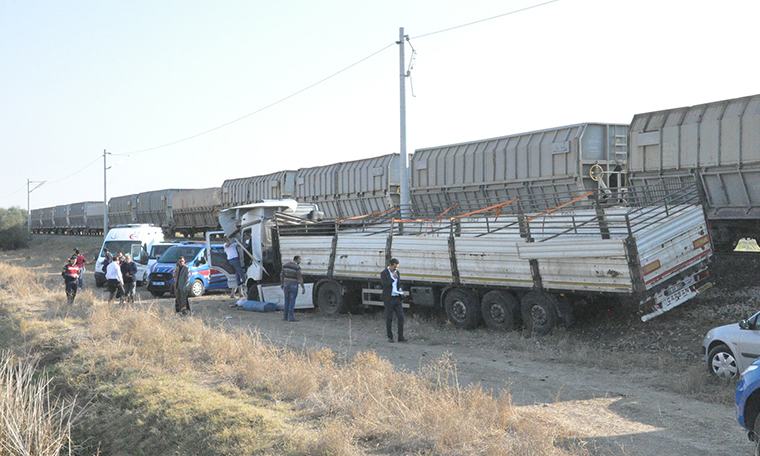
(187, 94)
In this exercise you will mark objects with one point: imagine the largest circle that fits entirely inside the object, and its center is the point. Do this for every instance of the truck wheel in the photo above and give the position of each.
(197, 288)
(539, 312)
(330, 298)
(501, 310)
(462, 308)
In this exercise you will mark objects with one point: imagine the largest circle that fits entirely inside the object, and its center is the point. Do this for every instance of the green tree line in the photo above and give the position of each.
(13, 234)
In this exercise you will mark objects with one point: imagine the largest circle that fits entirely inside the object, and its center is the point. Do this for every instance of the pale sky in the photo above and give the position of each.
(80, 77)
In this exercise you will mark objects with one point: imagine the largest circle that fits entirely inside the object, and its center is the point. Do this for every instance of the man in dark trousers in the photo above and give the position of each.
(393, 297)
(70, 276)
(290, 277)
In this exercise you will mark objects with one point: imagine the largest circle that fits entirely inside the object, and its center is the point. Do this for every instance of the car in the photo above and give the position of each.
(729, 349)
(149, 258)
(747, 403)
(202, 276)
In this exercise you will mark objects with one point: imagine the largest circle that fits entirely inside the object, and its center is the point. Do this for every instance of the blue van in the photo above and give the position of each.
(220, 276)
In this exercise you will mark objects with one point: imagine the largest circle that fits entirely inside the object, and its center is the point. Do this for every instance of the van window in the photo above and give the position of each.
(119, 246)
(176, 251)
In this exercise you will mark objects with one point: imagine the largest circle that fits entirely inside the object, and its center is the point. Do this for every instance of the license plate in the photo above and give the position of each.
(158, 283)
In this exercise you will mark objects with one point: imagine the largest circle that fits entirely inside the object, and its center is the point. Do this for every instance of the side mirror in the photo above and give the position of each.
(744, 324)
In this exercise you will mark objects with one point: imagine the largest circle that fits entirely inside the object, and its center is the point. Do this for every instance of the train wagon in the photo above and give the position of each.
(196, 211)
(351, 189)
(463, 177)
(246, 190)
(718, 145)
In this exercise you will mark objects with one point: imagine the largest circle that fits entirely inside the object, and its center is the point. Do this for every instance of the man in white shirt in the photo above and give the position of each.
(114, 279)
(231, 249)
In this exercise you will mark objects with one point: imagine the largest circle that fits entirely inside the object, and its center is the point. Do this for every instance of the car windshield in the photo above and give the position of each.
(114, 247)
(176, 251)
(158, 250)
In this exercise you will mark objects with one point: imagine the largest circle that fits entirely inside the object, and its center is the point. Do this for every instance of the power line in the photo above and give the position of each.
(75, 172)
(11, 194)
(484, 20)
(265, 107)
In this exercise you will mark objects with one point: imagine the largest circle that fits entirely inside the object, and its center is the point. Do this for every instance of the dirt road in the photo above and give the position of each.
(616, 414)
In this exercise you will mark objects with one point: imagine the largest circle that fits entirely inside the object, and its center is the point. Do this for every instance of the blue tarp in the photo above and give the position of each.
(258, 306)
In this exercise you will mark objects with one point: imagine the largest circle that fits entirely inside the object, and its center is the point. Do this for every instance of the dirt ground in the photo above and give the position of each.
(617, 411)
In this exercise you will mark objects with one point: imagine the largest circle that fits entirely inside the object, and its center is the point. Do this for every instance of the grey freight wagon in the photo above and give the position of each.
(464, 177)
(718, 144)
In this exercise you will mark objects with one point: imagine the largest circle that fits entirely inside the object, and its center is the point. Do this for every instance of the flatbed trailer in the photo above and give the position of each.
(648, 248)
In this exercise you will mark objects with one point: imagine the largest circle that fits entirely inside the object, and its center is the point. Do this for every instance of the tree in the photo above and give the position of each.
(12, 229)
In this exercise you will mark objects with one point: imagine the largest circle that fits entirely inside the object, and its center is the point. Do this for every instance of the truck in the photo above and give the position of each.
(135, 239)
(648, 248)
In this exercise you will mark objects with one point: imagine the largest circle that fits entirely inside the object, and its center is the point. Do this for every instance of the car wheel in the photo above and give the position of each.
(721, 362)
(196, 289)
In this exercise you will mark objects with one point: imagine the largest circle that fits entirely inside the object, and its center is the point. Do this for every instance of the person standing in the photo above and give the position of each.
(128, 273)
(290, 278)
(70, 277)
(393, 297)
(81, 261)
(114, 279)
(181, 277)
(233, 256)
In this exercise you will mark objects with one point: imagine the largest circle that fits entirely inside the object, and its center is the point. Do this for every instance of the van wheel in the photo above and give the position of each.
(157, 294)
(197, 288)
(501, 310)
(330, 298)
(462, 308)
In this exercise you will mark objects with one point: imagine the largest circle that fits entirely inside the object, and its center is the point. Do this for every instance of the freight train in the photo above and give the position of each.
(715, 144)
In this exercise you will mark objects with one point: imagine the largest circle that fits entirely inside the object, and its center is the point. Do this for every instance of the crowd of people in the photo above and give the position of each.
(120, 273)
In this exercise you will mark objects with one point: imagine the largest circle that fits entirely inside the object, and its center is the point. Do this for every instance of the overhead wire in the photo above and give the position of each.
(299, 91)
(484, 20)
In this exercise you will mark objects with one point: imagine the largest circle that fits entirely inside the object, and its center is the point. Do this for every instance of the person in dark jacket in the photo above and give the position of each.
(70, 278)
(181, 277)
(128, 273)
(290, 278)
(393, 298)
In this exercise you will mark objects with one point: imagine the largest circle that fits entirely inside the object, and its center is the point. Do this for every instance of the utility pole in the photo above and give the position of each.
(105, 196)
(29, 202)
(405, 197)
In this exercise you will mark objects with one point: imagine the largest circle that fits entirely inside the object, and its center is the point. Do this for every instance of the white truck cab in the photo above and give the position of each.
(133, 239)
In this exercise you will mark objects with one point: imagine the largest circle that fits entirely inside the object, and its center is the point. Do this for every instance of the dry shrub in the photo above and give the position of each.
(364, 403)
(32, 422)
(20, 282)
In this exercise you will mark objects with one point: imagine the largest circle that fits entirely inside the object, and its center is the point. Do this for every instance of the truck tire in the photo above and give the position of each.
(501, 310)
(330, 298)
(539, 312)
(462, 308)
(197, 288)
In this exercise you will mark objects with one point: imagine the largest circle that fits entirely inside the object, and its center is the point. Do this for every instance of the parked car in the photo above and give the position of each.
(747, 402)
(149, 258)
(730, 349)
(202, 276)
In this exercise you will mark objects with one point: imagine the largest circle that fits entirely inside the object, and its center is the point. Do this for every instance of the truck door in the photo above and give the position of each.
(222, 274)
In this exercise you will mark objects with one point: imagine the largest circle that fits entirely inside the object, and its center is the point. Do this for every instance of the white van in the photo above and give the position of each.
(133, 239)
(149, 258)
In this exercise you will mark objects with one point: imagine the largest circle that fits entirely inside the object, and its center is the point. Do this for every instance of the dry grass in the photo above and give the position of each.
(33, 423)
(158, 384)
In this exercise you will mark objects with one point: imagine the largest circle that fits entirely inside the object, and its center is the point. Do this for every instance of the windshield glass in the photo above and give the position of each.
(158, 250)
(119, 246)
(176, 251)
